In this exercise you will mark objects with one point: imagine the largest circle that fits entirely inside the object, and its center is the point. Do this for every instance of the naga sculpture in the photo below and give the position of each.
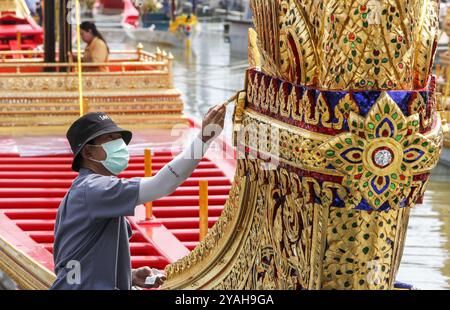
(337, 131)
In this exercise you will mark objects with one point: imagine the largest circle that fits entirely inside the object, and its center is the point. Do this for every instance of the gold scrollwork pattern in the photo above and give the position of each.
(351, 44)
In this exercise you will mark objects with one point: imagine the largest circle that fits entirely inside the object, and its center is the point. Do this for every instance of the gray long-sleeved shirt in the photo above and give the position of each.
(91, 247)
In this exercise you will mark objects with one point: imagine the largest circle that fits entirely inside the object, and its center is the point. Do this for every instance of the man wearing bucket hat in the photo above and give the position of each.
(91, 248)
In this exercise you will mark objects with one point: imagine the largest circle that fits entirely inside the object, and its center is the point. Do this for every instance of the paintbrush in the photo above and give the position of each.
(230, 100)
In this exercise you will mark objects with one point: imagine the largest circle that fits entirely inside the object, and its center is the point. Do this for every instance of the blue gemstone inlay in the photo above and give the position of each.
(385, 207)
(366, 100)
(402, 99)
(364, 206)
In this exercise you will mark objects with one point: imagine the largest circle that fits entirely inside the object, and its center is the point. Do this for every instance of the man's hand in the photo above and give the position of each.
(213, 122)
(139, 275)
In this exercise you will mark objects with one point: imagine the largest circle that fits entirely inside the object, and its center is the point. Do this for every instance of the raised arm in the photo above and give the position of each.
(181, 167)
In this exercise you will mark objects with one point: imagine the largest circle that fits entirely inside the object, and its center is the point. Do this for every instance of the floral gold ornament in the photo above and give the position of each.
(381, 154)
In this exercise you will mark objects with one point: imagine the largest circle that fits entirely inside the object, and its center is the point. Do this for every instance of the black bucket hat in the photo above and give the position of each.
(89, 127)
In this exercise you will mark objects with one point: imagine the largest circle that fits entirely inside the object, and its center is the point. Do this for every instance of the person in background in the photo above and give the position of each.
(96, 51)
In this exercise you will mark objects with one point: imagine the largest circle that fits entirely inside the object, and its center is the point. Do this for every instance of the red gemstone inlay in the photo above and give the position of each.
(380, 181)
(385, 133)
(352, 36)
(356, 155)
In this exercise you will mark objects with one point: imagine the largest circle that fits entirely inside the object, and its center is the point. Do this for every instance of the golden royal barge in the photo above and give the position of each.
(336, 131)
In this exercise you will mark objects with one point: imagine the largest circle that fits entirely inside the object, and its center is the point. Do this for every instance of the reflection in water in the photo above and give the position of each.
(208, 75)
(425, 260)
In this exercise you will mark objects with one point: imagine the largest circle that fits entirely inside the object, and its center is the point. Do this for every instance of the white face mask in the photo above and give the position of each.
(117, 156)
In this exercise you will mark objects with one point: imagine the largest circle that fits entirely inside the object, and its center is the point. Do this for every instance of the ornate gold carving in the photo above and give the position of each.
(381, 153)
(289, 234)
(328, 170)
(359, 249)
(352, 44)
(298, 58)
(254, 58)
(91, 82)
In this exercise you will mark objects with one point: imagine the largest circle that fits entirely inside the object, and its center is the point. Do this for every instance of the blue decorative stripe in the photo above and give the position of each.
(378, 134)
(365, 100)
(384, 188)
(344, 155)
(420, 153)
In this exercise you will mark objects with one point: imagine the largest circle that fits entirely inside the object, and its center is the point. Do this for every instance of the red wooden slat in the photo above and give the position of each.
(31, 189)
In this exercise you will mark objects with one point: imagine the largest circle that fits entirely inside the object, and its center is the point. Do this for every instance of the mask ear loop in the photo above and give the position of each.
(95, 160)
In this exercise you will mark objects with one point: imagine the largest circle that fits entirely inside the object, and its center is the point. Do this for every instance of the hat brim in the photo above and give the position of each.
(126, 136)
